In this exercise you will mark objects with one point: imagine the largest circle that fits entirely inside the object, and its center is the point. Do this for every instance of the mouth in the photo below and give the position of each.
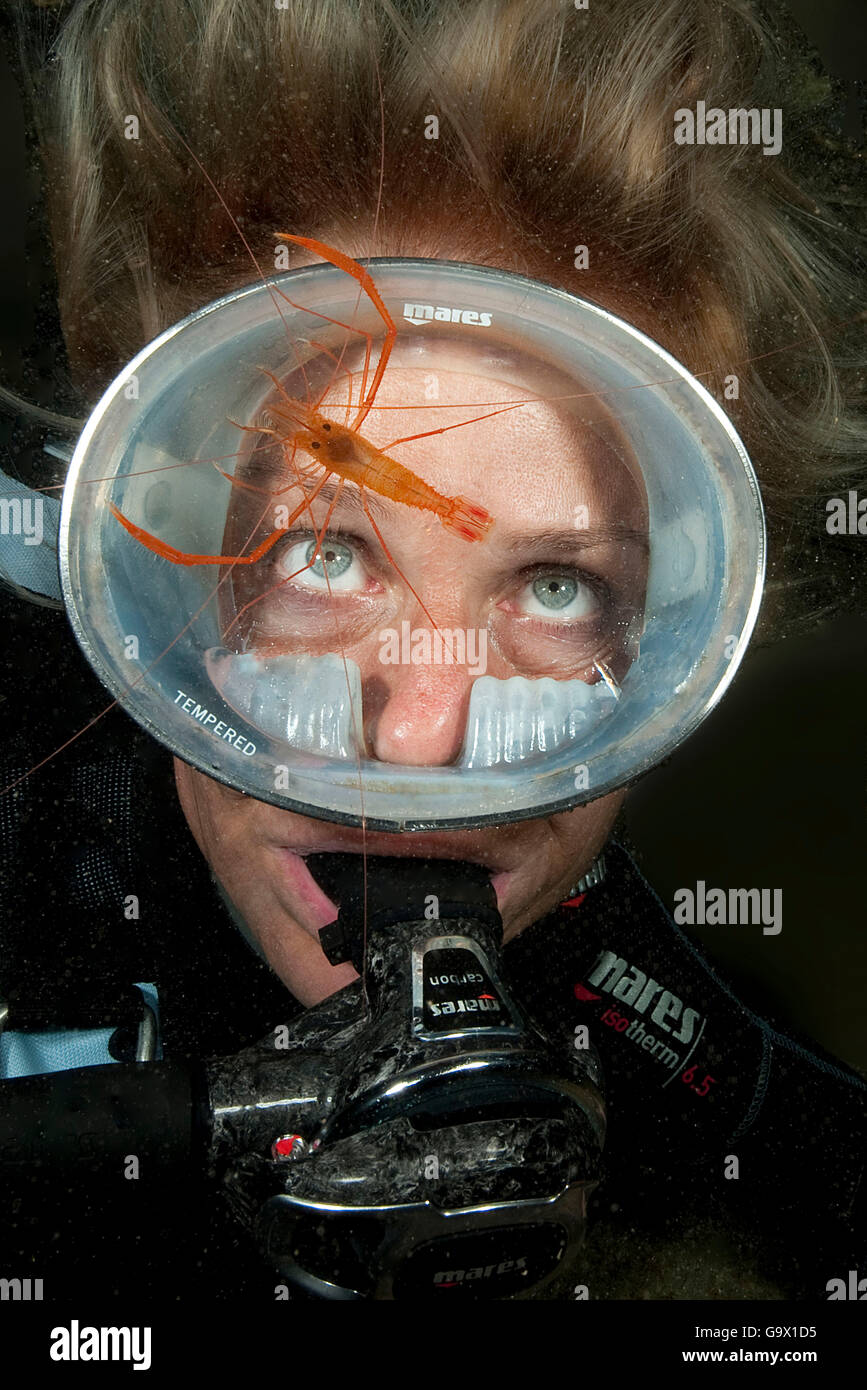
(321, 874)
(442, 846)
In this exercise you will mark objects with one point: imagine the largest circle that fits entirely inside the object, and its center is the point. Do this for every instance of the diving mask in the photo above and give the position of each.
(263, 533)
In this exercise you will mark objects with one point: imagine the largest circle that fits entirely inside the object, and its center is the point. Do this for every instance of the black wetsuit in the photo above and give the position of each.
(734, 1156)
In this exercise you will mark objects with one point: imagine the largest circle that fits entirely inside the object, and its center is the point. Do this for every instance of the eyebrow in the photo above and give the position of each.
(350, 496)
(568, 542)
(526, 543)
(351, 500)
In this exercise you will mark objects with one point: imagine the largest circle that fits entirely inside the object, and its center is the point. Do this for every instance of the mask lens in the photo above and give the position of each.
(535, 536)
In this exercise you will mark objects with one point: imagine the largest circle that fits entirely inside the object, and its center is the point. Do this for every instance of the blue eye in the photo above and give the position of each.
(336, 568)
(558, 596)
(555, 591)
(336, 556)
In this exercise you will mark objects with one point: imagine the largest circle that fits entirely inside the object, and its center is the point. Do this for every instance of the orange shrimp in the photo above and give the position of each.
(340, 449)
(347, 453)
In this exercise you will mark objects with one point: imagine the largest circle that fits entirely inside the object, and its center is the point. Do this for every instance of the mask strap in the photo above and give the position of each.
(29, 527)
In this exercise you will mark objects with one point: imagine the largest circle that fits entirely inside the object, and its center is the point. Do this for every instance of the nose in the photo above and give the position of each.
(420, 714)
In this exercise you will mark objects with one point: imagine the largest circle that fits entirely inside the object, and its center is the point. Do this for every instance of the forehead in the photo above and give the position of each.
(535, 445)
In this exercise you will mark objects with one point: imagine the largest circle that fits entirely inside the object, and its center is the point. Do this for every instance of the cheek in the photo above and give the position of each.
(215, 815)
(191, 803)
(581, 834)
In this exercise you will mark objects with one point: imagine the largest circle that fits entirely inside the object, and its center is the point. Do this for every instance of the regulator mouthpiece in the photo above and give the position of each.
(257, 520)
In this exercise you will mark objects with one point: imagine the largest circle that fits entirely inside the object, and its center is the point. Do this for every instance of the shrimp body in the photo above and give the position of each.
(339, 449)
(352, 457)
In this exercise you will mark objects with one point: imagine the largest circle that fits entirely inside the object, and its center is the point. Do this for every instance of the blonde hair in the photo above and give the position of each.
(555, 129)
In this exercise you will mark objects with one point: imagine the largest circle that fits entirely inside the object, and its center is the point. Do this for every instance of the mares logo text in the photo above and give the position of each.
(644, 995)
(447, 1278)
(631, 986)
(420, 314)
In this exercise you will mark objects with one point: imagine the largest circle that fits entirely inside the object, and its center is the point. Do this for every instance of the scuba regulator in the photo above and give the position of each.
(415, 1134)
(430, 1140)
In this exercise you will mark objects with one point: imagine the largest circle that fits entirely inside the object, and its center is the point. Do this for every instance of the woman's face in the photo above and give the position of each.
(556, 588)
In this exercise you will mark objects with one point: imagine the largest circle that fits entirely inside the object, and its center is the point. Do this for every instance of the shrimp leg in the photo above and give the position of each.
(183, 557)
(351, 267)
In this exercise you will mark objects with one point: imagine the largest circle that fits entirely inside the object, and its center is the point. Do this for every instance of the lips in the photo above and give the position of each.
(319, 908)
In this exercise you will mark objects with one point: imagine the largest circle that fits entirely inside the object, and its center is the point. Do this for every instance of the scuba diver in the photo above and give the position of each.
(407, 534)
